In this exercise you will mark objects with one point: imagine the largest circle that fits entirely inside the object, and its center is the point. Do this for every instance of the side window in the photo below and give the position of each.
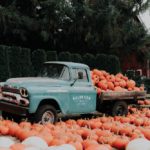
(65, 74)
(80, 74)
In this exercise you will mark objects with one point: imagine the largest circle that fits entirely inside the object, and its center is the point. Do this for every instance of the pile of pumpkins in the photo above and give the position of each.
(103, 81)
(144, 102)
(131, 132)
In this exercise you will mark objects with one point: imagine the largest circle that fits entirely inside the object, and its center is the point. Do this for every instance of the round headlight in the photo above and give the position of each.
(23, 92)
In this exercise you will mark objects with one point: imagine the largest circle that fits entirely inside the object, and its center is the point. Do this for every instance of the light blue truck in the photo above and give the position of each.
(60, 88)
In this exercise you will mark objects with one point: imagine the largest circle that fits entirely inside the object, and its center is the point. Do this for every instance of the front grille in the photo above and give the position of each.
(10, 89)
(9, 95)
(15, 98)
(12, 95)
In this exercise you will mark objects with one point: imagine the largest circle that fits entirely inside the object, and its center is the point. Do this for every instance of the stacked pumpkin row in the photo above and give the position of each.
(144, 102)
(103, 81)
(101, 133)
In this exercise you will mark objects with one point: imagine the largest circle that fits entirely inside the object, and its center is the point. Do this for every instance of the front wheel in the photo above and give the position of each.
(46, 114)
(119, 108)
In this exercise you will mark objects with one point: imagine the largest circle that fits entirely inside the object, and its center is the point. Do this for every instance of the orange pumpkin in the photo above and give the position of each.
(122, 83)
(110, 85)
(130, 84)
(103, 84)
(118, 89)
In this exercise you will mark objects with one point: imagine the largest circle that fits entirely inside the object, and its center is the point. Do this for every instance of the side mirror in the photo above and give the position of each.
(80, 75)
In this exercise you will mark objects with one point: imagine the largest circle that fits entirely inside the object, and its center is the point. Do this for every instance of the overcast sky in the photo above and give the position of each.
(145, 17)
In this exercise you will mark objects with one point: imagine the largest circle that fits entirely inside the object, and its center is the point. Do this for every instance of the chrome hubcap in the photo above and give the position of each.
(119, 111)
(48, 116)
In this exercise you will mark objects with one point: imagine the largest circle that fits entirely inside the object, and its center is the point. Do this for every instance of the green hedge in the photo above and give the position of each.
(113, 64)
(110, 63)
(76, 58)
(89, 59)
(4, 63)
(25, 62)
(52, 56)
(64, 56)
(101, 61)
(38, 58)
(19, 62)
(14, 61)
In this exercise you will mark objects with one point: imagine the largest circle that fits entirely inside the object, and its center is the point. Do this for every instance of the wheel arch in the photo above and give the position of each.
(122, 103)
(52, 102)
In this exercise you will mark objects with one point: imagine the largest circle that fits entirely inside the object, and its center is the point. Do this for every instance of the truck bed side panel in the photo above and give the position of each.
(122, 95)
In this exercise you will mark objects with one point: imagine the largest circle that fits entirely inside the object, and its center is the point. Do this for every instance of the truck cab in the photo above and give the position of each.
(59, 87)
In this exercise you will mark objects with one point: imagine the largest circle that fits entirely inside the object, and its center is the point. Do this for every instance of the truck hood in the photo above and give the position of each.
(35, 81)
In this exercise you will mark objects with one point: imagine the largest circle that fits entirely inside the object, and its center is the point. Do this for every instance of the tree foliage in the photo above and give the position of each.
(93, 26)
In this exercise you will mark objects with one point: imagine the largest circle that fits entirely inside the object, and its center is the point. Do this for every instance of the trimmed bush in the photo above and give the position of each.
(110, 63)
(64, 56)
(38, 58)
(89, 59)
(101, 61)
(25, 62)
(18, 62)
(113, 64)
(76, 58)
(52, 56)
(14, 61)
(4, 63)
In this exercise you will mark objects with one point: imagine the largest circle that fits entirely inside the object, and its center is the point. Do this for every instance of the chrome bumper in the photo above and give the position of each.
(13, 108)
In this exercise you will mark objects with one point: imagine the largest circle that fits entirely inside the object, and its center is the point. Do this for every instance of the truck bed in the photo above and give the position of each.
(126, 95)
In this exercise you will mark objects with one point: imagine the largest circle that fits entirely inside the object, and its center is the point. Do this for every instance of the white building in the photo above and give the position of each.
(145, 19)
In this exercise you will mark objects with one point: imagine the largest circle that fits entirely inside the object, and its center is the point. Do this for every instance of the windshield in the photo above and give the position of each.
(55, 71)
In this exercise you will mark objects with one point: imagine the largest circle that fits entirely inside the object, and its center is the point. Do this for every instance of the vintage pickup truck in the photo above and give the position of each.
(60, 88)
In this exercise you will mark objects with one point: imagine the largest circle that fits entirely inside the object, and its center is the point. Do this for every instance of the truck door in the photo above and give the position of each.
(82, 93)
